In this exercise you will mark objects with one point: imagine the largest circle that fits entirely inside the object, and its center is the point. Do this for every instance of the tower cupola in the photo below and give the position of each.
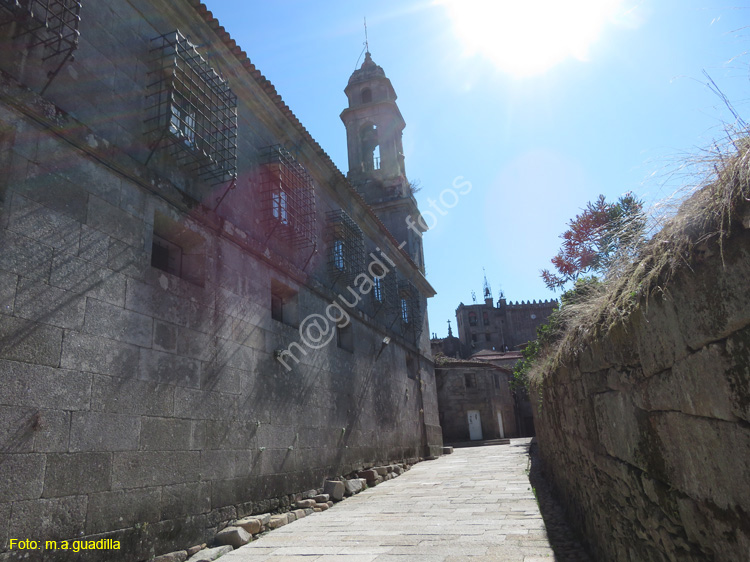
(373, 125)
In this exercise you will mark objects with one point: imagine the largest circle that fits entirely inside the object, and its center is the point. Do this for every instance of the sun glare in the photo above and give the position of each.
(528, 38)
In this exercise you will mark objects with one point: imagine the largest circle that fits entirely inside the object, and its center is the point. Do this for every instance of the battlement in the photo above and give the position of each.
(529, 304)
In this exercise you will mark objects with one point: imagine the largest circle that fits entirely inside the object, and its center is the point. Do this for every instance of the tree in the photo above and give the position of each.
(603, 233)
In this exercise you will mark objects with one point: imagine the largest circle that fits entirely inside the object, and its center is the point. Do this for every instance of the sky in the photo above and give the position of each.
(540, 110)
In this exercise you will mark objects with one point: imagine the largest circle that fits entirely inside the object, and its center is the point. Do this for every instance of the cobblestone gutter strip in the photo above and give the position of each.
(242, 531)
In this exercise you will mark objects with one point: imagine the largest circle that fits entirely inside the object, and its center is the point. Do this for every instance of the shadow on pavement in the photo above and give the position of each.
(565, 541)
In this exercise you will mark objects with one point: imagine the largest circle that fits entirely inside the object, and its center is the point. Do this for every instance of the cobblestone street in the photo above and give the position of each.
(476, 503)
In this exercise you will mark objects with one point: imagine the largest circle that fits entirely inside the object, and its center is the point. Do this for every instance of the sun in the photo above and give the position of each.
(528, 38)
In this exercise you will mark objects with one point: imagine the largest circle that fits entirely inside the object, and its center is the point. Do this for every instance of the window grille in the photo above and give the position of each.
(287, 197)
(389, 292)
(377, 290)
(347, 258)
(51, 23)
(410, 309)
(192, 111)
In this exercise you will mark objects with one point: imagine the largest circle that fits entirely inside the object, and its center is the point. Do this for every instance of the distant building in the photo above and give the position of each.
(505, 327)
(475, 401)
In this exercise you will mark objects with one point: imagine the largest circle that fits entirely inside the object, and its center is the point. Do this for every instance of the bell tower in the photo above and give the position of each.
(376, 156)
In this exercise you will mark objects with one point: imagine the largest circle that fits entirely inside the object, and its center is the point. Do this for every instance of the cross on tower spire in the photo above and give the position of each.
(367, 43)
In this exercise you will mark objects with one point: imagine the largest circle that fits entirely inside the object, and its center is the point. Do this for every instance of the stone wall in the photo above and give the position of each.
(646, 433)
(150, 407)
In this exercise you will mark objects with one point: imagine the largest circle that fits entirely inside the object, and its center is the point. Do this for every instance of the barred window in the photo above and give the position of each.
(280, 207)
(404, 310)
(377, 289)
(287, 197)
(52, 24)
(347, 258)
(192, 110)
(410, 309)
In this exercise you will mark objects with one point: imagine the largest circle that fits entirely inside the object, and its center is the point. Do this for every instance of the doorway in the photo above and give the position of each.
(475, 425)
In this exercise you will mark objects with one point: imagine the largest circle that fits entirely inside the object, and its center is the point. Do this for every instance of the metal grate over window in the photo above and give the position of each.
(410, 309)
(51, 23)
(287, 197)
(385, 293)
(192, 111)
(347, 252)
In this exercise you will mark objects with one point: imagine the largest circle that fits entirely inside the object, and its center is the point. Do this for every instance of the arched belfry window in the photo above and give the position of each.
(368, 139)
(366, 95)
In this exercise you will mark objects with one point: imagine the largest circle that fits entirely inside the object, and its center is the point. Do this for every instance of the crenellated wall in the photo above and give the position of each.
(646, 433)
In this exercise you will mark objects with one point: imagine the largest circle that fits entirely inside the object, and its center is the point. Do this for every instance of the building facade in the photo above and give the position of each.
(502, 327)
(162, 254)
(475, 401)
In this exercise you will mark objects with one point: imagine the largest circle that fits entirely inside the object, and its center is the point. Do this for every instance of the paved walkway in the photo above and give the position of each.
(475, 504)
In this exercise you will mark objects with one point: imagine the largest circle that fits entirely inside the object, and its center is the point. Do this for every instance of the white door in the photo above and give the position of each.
(475, 425)
(500, 425)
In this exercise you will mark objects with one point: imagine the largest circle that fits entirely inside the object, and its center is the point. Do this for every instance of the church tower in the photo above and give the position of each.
(376, 156)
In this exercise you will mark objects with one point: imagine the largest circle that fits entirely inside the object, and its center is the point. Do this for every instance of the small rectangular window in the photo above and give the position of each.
(277, 307)
(344, 337)
(178, 250)
(284, 306)
(470, 380)
(280, 208)
(404, 310)
(338, 255)
(412, 369)
(377, 289)
(488, 337)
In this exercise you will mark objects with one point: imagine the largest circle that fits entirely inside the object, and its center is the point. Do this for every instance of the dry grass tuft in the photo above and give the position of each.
(705, 219)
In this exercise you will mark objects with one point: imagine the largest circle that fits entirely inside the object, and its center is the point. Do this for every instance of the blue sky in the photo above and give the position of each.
(620, 114)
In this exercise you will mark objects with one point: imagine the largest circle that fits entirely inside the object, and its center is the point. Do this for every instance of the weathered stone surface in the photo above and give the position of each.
(335, 489)
(195, 549)
(54, 519)
(252, 525)
(654, 413)
(369, 475)
(77, 473)
(306, 503)
(210, 554)
(277, 521)
(264, 518)
(291, 517)
(154, 468)
(22, 476)
(29, 342)
(124, 508)
(178, 556)
(381, 470)
(447, 450)
(233, 536)
(99, 431)
(320, 498)
(321, 506)
(354, 486)
(299, 513)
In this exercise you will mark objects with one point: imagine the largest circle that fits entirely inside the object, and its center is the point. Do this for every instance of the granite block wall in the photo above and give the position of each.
(646, 433)
(147, 406)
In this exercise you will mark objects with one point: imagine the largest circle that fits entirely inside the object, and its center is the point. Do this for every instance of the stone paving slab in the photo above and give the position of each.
(476, 504)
